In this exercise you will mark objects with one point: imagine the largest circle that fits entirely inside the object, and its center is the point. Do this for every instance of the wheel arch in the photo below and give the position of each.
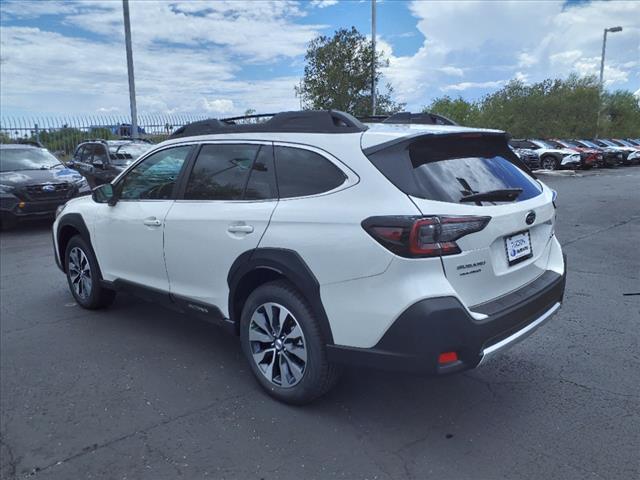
(261, 265)
(557, 158)
(70, 225)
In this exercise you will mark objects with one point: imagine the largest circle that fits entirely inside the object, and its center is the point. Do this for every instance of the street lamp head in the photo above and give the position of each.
(614, 29)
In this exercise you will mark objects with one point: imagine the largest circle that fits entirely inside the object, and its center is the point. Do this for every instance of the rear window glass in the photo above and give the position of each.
(301, 173)
(448, 168)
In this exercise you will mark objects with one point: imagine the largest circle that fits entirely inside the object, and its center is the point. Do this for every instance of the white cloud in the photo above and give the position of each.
(453, 71)
(187, 56)
(194, 56)
(522, 77)
(74, 75)
(323, 3)
(255, 31)
(489, 42)
(219, 105)
(467, 85)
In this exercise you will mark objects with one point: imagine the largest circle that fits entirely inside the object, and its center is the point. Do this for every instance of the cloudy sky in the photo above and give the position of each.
(223, 57)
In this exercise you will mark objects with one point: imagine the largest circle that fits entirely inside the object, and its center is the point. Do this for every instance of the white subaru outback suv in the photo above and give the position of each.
(323, 242)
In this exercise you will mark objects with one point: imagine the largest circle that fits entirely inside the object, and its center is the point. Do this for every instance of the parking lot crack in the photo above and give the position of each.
(12, 460)
(599, 389)
(98, 446)
(600, 230)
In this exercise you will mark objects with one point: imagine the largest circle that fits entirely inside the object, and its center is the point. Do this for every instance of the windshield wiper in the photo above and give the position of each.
(503, 195)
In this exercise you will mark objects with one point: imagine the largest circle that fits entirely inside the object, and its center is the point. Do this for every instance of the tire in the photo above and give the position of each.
(549, 162)
(83, 276)
(291, 378)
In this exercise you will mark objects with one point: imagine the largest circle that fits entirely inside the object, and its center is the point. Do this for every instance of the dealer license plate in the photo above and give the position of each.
(518, 247)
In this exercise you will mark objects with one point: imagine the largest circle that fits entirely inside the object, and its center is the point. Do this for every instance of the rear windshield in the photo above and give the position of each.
(127, 152)
(448, 168)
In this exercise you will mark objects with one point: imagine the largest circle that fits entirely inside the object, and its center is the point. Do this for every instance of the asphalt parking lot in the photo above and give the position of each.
(138, 392)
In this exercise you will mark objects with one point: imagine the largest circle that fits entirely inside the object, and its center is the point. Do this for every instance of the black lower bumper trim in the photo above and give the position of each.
(436, 325)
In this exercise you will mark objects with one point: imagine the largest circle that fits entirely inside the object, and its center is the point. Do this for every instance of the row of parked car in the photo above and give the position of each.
(555, 154)
(33, 182)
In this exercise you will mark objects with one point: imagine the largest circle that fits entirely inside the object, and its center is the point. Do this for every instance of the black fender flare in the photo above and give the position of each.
(76, 221)
(290, 265)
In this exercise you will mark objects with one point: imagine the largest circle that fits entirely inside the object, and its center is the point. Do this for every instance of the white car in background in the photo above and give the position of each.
(551, 158)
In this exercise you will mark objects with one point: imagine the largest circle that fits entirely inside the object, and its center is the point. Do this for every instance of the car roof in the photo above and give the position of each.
(14, 146)
(382, 133)
(375, 135)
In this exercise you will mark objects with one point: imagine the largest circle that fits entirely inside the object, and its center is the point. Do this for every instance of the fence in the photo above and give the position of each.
(61, 135)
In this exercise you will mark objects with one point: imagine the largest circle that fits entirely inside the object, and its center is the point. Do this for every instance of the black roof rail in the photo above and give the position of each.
(305, 121)
(373, 118)
(423, 118)
(247, 118)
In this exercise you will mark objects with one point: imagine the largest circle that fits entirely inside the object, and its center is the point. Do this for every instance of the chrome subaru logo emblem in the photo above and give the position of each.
(530, 218)
(48, 188)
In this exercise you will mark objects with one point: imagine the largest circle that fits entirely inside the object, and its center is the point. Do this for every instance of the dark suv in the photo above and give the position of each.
(100, 161)
(33, 183)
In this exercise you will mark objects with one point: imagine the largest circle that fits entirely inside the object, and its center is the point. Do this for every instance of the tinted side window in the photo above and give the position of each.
(301, 172)
(221, 172)
(155, 177)
(78, 153)
(262, 179)
(87, 153)
(100, 154)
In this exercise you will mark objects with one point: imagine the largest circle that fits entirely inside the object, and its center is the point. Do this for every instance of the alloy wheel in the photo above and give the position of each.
(278, 346)
(549, 163)
(80, 273)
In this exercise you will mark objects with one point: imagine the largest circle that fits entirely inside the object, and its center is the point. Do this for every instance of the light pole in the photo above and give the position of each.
(373, 64)
(604, 46)
(132, 84)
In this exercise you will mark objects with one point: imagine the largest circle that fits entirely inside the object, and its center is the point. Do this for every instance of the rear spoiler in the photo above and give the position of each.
(497, 142)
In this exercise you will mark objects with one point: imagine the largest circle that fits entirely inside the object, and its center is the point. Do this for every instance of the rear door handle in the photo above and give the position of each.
(152, 222)
(240, 229)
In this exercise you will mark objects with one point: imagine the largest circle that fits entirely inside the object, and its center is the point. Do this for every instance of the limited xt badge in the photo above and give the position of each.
(469, 268)
(530, 218)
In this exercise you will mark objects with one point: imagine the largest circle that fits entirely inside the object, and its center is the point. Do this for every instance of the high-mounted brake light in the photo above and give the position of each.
(423, 236)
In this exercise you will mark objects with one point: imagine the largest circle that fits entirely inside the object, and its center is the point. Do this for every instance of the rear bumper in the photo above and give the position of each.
(436, 325)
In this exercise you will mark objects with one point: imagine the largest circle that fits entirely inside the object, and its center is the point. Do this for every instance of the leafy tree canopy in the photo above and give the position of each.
(551, 108)
(337, 75)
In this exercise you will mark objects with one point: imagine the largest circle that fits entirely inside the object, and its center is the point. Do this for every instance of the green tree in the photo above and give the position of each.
(459, 110)
(560, 108)
(337, 75)
(620, 115)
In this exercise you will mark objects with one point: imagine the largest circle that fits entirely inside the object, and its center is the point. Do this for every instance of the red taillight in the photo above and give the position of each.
(423, 236)
(447, 357)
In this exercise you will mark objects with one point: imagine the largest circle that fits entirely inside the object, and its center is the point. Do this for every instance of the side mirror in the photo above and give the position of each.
(104, 194)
